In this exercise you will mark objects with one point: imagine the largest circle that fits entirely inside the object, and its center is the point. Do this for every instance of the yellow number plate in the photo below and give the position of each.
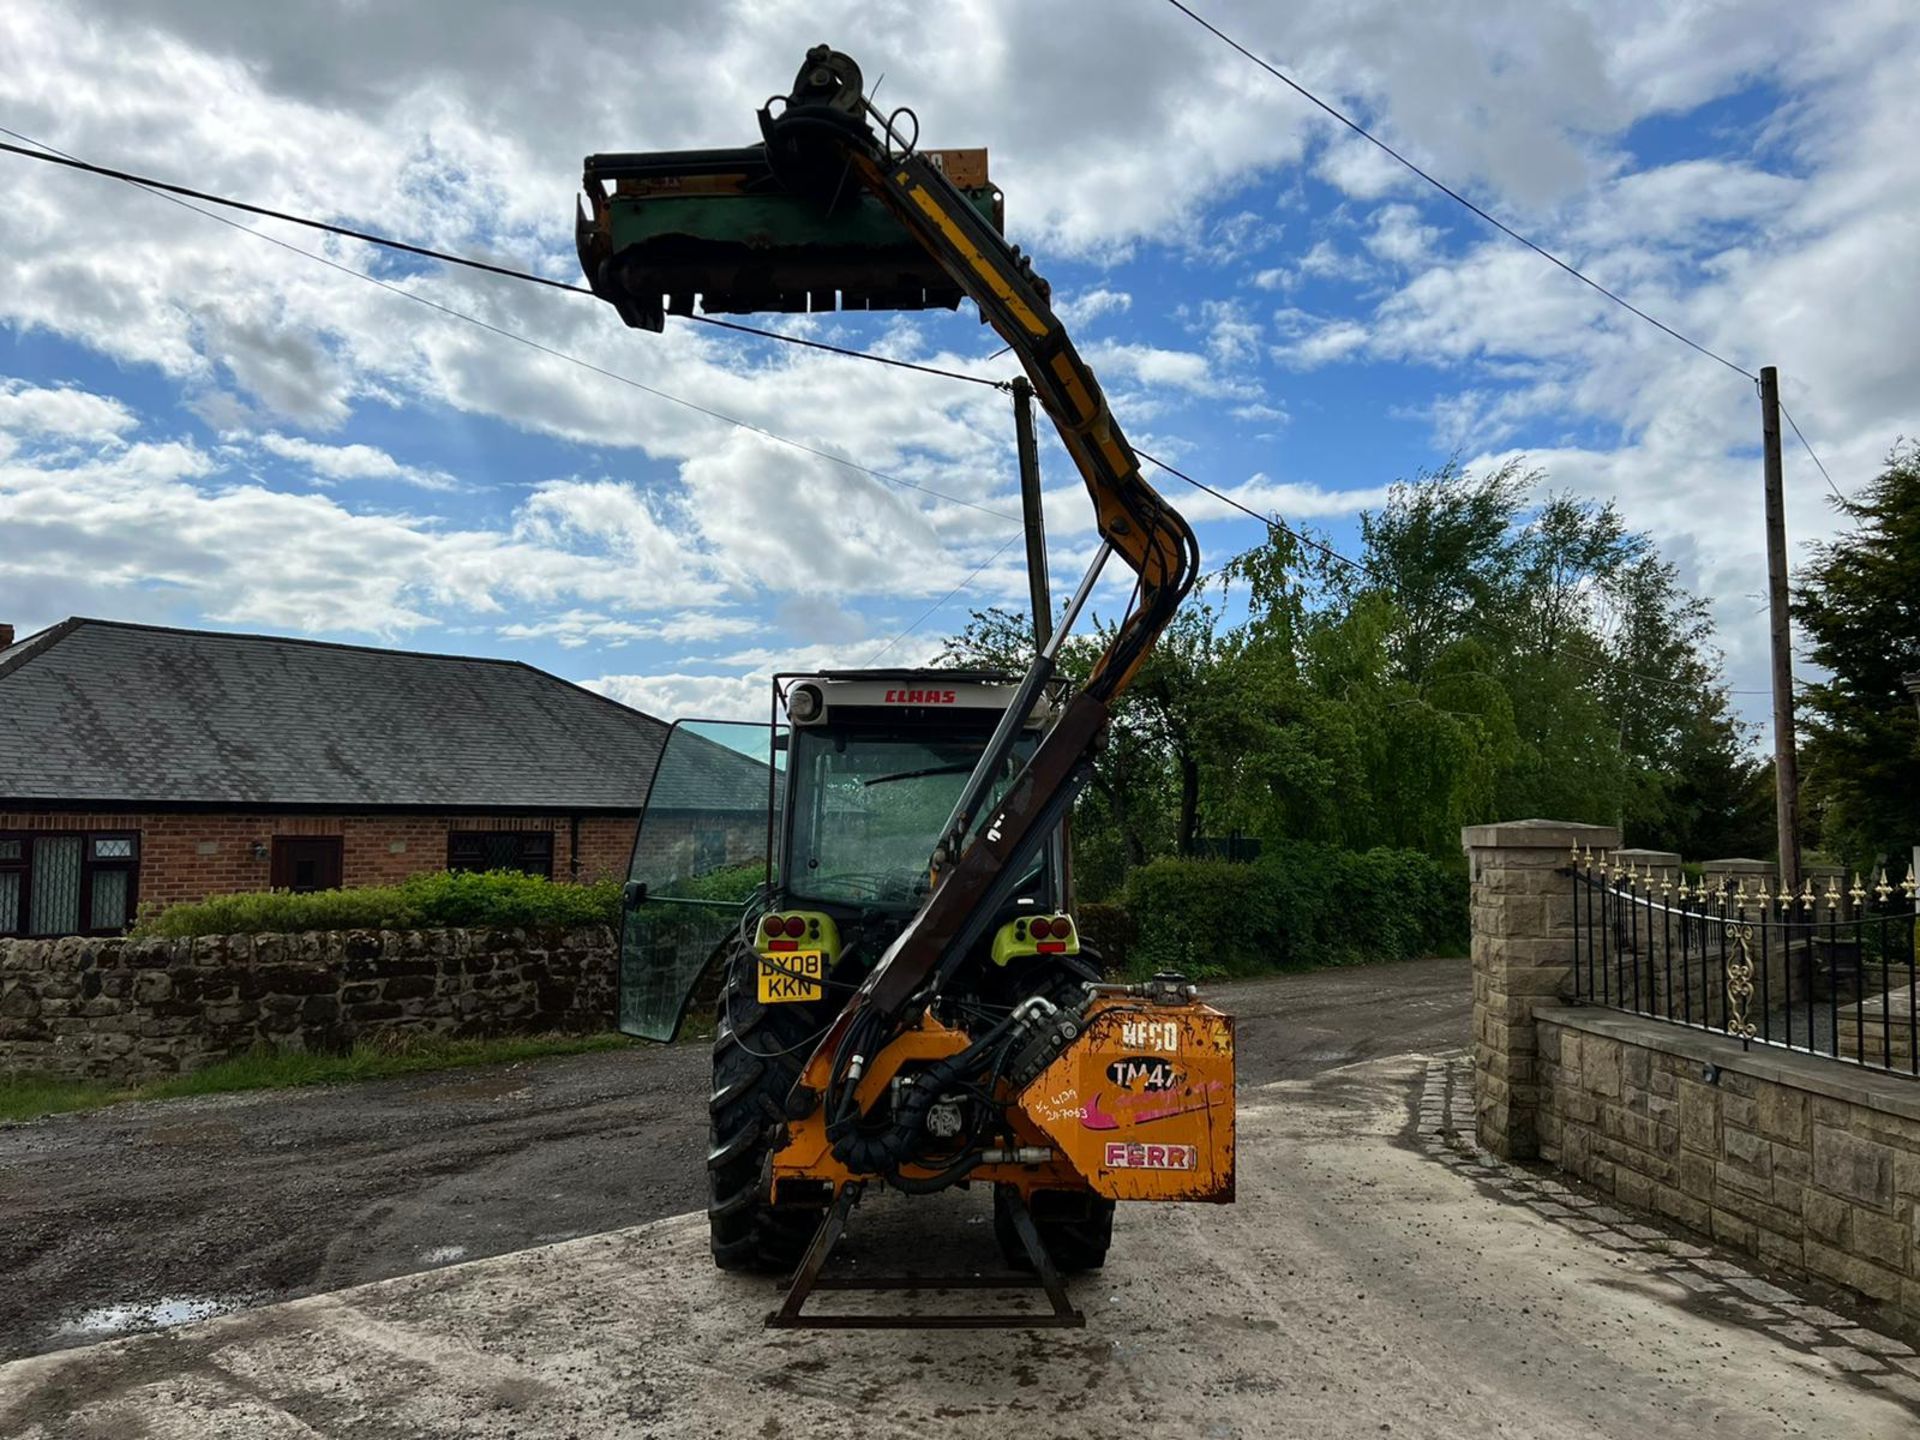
(791, 975)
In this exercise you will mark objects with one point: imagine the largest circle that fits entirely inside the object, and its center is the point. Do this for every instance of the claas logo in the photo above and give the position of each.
(1142, 1074)
(920, 697)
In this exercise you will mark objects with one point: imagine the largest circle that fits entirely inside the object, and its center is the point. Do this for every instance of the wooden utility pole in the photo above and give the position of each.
(1031, 513)
(1786, 759)
(1039, 592)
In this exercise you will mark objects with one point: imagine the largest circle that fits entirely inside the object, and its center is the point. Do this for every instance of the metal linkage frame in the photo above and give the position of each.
(808, 1278)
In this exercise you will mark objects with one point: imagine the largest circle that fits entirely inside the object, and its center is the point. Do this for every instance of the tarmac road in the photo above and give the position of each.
(119, 1219)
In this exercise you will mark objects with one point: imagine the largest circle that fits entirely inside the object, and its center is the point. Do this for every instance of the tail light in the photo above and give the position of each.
(772, 925)
(1040, 928)
(796, 927)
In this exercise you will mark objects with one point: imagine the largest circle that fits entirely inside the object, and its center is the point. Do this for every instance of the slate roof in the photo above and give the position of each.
(97, 710)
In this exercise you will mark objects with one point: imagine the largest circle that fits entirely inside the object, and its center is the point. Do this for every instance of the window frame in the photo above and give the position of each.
(477, 839)
(281, 861)
(90, 867)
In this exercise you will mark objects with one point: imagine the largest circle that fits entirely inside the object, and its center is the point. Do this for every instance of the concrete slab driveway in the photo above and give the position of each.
(1372, 1280)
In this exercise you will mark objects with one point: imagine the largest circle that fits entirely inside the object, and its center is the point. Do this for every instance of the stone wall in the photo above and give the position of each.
(1522, 959)
(131, 1010)
(1809, 1164)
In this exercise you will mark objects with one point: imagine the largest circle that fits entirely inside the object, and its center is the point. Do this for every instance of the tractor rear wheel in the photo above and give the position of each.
(1075, 1227)
(758, 1052)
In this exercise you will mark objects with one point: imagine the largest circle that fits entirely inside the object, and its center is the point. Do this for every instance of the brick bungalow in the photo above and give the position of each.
(143, 765)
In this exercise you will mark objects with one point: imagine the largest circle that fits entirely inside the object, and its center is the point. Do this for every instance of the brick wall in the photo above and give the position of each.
(1812, 1166)
(189, 856)
(130, 1010)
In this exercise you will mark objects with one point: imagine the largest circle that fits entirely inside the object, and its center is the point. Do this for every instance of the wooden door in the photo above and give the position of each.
(306, 862)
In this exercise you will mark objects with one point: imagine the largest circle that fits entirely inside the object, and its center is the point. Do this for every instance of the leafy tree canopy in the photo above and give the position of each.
(1858, 603)
(1489, 655)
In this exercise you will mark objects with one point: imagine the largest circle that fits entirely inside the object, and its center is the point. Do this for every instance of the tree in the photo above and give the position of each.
(1487, 656)
(1858, 603)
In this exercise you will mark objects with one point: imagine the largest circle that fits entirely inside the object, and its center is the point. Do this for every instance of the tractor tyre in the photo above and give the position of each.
(1075, 1227)
(758, 1052)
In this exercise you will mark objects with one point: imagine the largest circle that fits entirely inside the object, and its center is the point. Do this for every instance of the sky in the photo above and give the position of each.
(200, 426)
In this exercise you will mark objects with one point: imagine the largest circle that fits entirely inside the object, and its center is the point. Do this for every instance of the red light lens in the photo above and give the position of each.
(1041, 928)
(796, 927)
(771, 925)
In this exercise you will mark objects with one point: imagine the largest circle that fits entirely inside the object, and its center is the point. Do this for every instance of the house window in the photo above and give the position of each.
(68, 884)
(528, 851)
(305, 863)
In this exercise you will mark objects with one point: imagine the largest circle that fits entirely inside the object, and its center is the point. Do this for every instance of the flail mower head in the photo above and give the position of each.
(776, 226)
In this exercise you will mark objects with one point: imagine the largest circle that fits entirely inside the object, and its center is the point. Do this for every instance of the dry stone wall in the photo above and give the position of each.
(131, 1010)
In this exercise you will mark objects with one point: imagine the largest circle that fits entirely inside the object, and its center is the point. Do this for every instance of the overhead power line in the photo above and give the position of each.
(1494, 221)
(1360, 567)
(48, 155)
(940, 604)
(175, 193)
(1505, 229)
(1811, 456)
(170, 192)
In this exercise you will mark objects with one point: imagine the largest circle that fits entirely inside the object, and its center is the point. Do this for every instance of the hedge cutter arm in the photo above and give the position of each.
(836, 209)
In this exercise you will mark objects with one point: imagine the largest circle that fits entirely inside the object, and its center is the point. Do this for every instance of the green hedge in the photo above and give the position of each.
(444, 900)
(1300, 904)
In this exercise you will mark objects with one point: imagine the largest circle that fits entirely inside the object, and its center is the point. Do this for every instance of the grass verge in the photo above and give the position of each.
(26, 1097)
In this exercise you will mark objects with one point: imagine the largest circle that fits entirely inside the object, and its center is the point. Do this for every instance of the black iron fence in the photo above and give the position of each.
(1829, 971)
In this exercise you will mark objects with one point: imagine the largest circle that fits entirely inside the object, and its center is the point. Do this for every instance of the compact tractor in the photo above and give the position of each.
(876, 882)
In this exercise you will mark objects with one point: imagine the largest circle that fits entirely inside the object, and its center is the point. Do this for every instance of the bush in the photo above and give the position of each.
(1300, 904)
(1108, 928)
(443, 900)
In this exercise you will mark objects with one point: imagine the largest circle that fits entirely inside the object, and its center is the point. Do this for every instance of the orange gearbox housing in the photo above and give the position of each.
(1140, 1106)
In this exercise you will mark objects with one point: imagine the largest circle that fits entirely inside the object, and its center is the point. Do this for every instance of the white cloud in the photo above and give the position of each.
(1323, 345)
(455, 124)
(574, 629)
(744, 688)
(328, 463)
(1088, 305)
(1400, 236)
(1286, 499)
(33, 410)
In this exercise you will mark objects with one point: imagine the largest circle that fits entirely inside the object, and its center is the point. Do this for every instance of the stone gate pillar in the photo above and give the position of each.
(1522, 958)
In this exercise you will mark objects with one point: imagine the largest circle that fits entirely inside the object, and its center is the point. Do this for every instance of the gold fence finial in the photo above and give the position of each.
(1807, 898)
(1833, 893)
(1603, 864)
(1785, 896)
(1666, 883)
(1859, 891)
(1910, 885)
(1882, 890)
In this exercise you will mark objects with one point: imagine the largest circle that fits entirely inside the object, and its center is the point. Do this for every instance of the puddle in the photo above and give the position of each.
(153, 1315)
(443, 1254)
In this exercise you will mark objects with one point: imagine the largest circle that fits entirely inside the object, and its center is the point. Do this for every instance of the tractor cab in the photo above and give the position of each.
(826, 817)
